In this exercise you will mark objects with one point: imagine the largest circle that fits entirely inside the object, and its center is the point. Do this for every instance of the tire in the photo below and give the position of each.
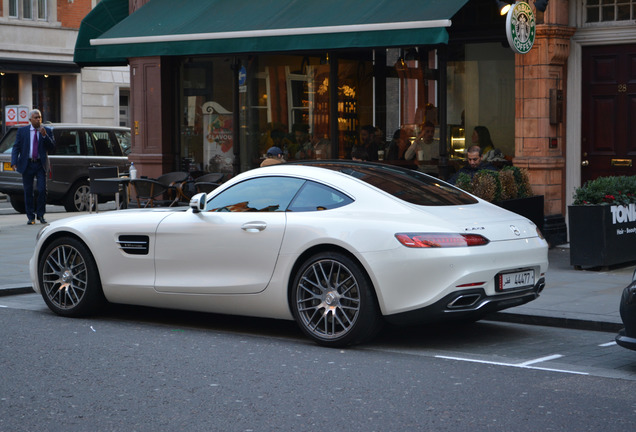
(78, 197)
(69, 279)
(17, 202)
(332, 301)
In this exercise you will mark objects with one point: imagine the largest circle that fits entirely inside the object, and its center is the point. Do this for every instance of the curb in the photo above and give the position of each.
(548, 321)
(8, 290)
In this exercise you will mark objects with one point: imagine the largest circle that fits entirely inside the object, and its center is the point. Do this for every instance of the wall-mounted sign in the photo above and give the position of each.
(520, 27)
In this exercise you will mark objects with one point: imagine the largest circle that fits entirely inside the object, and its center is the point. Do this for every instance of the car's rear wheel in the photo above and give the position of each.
(333, 301)
(69, 279)
(78, 197)
(17, 202)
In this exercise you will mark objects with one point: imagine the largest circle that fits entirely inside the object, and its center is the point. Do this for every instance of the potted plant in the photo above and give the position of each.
(508, 188)
(602, 222)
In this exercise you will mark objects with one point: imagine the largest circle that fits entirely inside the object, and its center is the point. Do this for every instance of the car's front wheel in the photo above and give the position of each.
(333, 302)
(69, 279)
(78, 197)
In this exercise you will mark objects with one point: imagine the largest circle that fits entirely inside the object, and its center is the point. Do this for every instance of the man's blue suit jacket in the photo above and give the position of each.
(20, 154)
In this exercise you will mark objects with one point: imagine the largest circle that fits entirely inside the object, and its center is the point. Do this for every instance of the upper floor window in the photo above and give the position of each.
(29, 9)
(602, 11)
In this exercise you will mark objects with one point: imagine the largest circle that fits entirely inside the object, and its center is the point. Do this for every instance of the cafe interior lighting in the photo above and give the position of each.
(503, 7)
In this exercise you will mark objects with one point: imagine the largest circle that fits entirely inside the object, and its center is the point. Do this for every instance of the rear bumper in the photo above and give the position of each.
(470, 304)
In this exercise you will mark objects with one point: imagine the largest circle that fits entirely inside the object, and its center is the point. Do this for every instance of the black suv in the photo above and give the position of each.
(77, 147)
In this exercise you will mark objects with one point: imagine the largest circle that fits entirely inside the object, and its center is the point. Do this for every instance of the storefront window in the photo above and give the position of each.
(481, 94)
(318, 107)
(205, 130)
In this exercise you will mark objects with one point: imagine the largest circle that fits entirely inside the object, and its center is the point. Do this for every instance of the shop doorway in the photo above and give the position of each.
(608, 131)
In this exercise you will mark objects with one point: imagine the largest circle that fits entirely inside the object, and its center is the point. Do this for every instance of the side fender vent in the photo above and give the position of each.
(134, 244)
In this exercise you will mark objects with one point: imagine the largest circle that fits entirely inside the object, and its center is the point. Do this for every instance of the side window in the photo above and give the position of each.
(103, 144)
(263, 194)
(124, 142)
(314, 196)
(90, 144)
(67, 143)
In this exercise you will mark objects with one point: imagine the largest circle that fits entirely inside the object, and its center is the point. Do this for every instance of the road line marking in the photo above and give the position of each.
(542, 359)
(608, 344)
(521, 366)
(3, 306)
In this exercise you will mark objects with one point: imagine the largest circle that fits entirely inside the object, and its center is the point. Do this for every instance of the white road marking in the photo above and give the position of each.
(542, 359)
(608, 344)
(517, 365)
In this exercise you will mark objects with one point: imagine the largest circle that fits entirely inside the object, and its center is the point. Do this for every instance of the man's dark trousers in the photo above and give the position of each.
(34, 170)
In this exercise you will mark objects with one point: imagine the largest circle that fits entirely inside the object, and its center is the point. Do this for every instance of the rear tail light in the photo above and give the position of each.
(440, 240)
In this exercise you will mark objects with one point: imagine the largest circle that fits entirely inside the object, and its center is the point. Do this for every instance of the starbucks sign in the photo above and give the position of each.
(520, 27)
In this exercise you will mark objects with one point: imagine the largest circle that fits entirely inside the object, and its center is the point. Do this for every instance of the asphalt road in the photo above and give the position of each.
(142, 369)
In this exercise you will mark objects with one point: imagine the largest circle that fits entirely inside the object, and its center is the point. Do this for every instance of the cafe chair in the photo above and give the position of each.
(103, 188)
(202, 183)
(151, 193)
(208, 182)
(172, 181)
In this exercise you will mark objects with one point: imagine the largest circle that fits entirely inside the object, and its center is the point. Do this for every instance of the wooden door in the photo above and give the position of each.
(608, 135)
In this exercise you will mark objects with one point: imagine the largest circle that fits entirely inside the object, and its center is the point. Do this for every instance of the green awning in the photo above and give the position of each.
(190, 27)
(104, 16)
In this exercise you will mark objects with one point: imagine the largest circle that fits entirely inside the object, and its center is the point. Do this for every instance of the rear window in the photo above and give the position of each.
(408, 185)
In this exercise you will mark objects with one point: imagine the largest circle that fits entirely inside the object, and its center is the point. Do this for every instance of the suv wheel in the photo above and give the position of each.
(17, 202)
(78, 197)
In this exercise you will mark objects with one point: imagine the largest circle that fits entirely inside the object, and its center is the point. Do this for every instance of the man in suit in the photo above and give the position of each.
(29, 157)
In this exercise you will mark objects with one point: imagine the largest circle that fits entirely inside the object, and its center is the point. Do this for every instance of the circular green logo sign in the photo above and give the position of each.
(520, 27)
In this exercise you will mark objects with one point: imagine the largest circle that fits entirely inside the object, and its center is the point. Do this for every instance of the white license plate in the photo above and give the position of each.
(516, 280)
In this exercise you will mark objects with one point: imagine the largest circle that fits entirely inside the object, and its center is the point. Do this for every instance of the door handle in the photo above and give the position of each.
(585, 163)
(254, 226)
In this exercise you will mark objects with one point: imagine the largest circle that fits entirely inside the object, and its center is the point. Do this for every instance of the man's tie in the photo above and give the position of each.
(35, 145)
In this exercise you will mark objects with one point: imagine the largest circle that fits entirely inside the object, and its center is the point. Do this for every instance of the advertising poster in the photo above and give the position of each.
(218, 154)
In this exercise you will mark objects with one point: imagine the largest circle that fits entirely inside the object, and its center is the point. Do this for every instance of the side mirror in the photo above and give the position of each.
(197, 202)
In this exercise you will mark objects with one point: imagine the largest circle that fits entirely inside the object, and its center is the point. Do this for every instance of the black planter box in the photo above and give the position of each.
(531, 208)
(601, 235)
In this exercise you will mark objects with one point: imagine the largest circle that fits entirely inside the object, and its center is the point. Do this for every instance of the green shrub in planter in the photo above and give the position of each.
(617, 190)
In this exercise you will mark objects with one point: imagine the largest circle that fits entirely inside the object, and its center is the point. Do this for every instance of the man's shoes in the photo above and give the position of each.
(31, 222)
(41, 219)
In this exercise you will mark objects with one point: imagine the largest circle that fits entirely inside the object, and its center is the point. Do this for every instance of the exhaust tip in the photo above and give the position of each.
(464, 301)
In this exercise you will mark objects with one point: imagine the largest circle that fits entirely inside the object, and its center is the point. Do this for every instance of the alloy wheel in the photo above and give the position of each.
(64, 277)
(328, 299)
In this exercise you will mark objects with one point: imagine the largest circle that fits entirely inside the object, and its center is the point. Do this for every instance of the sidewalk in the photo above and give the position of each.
(581, 299)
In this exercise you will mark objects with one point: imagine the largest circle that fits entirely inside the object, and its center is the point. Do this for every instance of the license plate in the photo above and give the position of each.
(515, 280)
(6, 166)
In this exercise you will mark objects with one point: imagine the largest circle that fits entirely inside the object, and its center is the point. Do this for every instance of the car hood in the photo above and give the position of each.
(488, 220)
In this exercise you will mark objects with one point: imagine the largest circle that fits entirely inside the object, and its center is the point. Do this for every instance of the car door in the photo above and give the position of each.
(232, 247)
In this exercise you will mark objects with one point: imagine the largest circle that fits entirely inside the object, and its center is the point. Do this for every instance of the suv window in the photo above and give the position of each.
(101, 143)
(68, 143)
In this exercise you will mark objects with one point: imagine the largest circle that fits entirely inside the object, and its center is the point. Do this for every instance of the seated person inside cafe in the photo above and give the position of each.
(274, 156)
(398, 146)
(481, 137)
(474, 163)
(425, 150)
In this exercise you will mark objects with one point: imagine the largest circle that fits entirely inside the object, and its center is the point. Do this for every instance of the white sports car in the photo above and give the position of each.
(338, 246)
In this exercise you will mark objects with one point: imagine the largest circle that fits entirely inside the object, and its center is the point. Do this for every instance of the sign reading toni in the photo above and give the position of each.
(520, 27)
